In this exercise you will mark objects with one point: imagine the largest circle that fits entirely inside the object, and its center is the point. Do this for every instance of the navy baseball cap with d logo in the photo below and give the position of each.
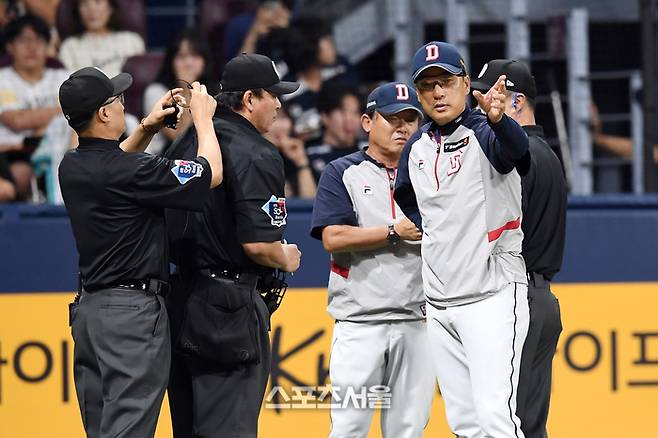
(391, 98)
(438, 54)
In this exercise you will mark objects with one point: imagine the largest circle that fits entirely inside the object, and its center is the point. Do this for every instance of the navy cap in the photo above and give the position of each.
(438, 54)
(88, 89)
(391, 98)
(518, 76)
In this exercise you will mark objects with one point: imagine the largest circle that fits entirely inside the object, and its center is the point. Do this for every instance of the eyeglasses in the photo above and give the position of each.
(118, 96)
(445, 83)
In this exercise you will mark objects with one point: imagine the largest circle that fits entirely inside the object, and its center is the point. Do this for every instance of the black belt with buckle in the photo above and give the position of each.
(150, 286)
(243, 277)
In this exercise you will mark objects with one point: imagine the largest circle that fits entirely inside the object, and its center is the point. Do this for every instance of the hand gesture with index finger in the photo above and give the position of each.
(493, 103)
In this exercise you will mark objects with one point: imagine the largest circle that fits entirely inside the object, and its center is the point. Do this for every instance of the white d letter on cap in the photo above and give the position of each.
(403, 92)
(432, 52)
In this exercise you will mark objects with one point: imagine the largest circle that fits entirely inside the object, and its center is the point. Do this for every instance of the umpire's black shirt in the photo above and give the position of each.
(116, 203)
(248, 206)
(544, 204)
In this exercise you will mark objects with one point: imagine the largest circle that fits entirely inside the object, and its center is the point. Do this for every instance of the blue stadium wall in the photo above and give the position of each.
(609, 239)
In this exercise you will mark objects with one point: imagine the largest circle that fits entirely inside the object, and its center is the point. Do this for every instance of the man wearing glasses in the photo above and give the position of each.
(457, 178)
(115, 196)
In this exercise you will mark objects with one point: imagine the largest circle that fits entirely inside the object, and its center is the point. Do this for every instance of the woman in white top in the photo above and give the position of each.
(188, 58)
(98, 40)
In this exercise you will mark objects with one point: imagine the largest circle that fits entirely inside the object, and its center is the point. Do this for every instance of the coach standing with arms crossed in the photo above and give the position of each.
(544, 204)
(226, 255)
(115, 196)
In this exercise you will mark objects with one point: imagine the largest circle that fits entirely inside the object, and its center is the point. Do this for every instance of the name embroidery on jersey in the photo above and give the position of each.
(186, 170)
(455, 146)
(275, 208)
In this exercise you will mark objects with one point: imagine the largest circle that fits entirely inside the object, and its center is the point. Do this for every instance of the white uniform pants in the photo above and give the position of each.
(477, 353)
(393, 354)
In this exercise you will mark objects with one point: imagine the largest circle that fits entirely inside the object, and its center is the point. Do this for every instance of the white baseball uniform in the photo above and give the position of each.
(377, 299)
(459, 184)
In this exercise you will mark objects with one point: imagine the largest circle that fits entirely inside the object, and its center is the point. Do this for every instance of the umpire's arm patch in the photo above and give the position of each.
(186, 170)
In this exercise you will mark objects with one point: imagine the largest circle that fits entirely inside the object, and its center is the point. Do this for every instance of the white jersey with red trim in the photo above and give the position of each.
(375, 285)
(459, 183)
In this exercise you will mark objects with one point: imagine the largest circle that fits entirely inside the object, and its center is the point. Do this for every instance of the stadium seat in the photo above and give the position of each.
(213, 16)
(144, 69)
(131, 17)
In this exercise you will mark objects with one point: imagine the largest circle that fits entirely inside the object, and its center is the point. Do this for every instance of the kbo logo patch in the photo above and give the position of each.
(186, 170)
(275, 208)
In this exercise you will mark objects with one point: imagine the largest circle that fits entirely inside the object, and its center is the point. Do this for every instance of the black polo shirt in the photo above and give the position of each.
(248, 206)
(116, 203)
(544, 204)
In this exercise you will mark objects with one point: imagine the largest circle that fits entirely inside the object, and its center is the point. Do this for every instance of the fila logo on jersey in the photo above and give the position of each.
(432, 52)
(186, 170)
(367, 190)
(455, 146)
(275, 208)
(421, 164)
(403, 92)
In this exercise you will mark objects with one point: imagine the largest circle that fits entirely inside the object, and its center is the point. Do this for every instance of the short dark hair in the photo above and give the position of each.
(332, 94)
(37, 24)
(83, 126)
(532, 103)
(112, 24)
(232, 100)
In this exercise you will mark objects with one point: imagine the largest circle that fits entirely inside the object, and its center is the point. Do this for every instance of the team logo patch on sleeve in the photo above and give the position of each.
(275, 208)
(186, 170)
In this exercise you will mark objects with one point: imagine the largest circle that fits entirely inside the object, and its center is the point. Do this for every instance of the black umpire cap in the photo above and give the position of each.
(518, 76)
(253, 71)
(88, 89)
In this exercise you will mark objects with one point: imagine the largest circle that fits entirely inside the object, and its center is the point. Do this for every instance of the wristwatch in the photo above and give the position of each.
(393, 237)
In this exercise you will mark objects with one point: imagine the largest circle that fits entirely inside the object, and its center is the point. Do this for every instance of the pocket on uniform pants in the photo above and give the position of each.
(219, 323)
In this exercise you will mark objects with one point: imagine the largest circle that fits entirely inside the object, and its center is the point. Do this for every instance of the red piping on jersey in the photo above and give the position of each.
(391, 183)
(343, 272)
(436, 161)
(511, 225)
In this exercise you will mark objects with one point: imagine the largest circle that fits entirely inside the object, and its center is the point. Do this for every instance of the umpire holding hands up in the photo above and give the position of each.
(115, 196)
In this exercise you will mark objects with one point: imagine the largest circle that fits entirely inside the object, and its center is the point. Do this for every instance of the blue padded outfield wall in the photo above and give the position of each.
(609, 239)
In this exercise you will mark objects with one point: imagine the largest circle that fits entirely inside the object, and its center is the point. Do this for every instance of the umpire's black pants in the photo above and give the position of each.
(121, 361)
(209, 401)
(534, 390)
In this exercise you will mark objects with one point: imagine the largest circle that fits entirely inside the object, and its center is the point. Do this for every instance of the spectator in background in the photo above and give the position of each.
(300, 59)
(340, 111)
(333, 66)
(98, 40)
(188, 58)
(615, 144)
(28, 96)
(300, 181)
(7, 187)
(244, 31)
(46, 10)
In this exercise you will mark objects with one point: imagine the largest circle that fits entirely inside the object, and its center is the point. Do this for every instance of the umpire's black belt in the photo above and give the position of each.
(150, 286)
(238, 276)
